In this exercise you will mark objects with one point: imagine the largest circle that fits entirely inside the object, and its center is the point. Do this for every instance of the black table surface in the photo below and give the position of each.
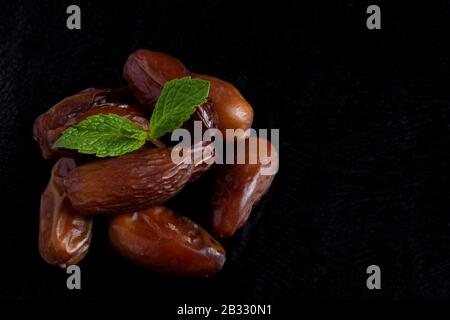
(364, 143)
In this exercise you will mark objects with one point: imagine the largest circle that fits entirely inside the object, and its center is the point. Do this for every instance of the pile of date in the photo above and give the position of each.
(132, 188)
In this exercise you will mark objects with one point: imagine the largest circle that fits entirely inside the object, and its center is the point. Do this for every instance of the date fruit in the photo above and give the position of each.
(68, 112)
(146, 72)
(163, 241)
(132, 187)
(64, 234)
(233, 111)
(134, 181)
(239, 187)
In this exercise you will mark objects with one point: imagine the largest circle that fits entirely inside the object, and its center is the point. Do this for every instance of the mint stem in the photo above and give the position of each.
(156, 142)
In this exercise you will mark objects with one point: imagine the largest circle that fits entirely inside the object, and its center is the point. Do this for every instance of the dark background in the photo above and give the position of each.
(364, 120)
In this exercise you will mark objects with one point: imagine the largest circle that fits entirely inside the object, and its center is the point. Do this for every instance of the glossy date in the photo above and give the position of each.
(64, 233)
(238, 187)
(233, 111)
(146, 72)
(160, 239)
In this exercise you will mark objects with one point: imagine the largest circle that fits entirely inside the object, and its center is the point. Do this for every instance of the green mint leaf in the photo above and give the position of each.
(103, 135)
(177, 102)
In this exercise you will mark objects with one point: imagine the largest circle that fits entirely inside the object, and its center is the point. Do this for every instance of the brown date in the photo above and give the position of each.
(233, 111)
(64, 234)
(146, 72)
(68, 112)
(134, 181)
(161, 240)
(239, 187)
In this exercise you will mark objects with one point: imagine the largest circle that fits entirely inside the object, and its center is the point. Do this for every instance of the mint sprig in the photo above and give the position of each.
(177, 102)
(111, 135)
(103, 135)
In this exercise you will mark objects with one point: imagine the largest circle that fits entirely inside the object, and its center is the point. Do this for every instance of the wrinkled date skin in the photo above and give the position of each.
(64, 234)
(166, 242)
(202, 154)
(238, 188)
(204, 113)
(146, 72)
(233, 111)
(134, 181)
(68, 112)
